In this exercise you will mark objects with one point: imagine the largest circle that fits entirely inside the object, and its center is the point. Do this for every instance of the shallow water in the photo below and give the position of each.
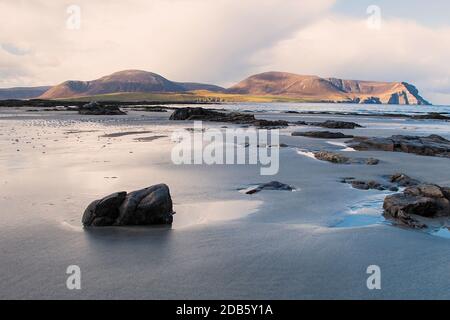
(335, 107)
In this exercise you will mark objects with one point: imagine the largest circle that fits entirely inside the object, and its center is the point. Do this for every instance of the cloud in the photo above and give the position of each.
(199, 40)
(340, 46)
(218, 41)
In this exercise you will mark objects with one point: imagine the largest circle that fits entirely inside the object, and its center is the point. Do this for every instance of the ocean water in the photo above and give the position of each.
(336, 107)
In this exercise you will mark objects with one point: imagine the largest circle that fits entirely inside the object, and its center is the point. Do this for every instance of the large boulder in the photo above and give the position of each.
(148, 206)
(338, 158)
(423, 200)
(432, 145)
(95, 108)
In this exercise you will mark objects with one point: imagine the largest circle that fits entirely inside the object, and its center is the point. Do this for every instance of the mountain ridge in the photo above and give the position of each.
(328, 89)
(271, 86)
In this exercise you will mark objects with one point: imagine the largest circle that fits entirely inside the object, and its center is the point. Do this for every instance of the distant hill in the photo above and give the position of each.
(314, 88)
(22, 92)
(124, 81)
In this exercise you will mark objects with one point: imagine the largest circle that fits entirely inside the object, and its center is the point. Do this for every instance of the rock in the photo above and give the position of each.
(232, 117)
(403, 180)
(367, 185)
(332, 124)
(423, 200)
(331, 157)
(321, 134)
(372, 161)
(432, 145)
(340, 159)
(273, 185)
(431, 116)
(148, 206)
(94, 108)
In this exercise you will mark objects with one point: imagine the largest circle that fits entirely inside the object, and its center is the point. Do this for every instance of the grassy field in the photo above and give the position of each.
(188, 97)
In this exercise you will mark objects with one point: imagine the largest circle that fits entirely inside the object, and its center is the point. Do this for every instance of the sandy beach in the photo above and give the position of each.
(315, 242)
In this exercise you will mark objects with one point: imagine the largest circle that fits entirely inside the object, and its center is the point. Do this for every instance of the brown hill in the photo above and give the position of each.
(123, 81)
(315, 88)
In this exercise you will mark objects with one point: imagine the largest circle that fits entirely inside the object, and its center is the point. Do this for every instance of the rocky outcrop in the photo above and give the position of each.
(369, 185)
(95, 108)
(322, 134)
(423, 200)
(148, 206)
(231, 117)
(332, 124)
(432, 145)
(273, 185)
(341, 159)
(431, 116)
(392, 184)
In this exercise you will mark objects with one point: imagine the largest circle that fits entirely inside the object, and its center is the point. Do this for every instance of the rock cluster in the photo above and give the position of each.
(149, 206)
(432, 145)
(95, 108)
(217, 116)
(332, 124)
(321, 134)
(341, 159)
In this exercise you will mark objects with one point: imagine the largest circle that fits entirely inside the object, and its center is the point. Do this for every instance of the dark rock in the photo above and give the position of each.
(148, 206)
(368, 185)
(340, 159)
(423, 200)
(332, 124)
(322, 134)
(431, 116)
(372, 100)
(432, 145)
(403, 180)
(273, 185)
(94, 108)
(331, 157)
(232, 117)
(372, 161)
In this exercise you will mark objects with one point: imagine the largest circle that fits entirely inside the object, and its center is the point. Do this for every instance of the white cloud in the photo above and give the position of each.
(343, 47)
(218, 41)
(200, 40)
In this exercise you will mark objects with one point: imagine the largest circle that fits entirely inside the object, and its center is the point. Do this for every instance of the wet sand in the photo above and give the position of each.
(223, 244)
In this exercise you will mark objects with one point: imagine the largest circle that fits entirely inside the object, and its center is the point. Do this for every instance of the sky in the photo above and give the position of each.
(45, 42)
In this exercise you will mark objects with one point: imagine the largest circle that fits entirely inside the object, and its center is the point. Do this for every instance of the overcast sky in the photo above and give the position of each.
(224, 41)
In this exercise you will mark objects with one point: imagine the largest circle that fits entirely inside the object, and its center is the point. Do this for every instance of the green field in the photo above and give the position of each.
(189, 97)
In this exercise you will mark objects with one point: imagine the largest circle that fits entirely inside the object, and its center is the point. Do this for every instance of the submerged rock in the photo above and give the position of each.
(321, 134)
(273, 185)
(94, 108)
(432, 145)
(148, 206)
(216, 116)
(423, 200)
